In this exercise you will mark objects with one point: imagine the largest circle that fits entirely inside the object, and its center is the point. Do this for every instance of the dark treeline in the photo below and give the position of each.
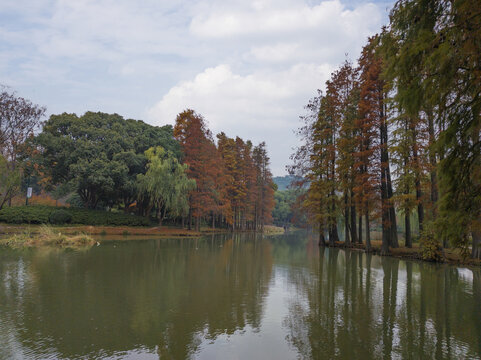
(400, 132)
(103, 161)
(288, 210)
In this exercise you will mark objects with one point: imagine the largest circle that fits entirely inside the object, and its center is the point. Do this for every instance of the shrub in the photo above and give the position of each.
(74, 200)
(26, 214)
(60, 217)
(431, 249)
(41, 215)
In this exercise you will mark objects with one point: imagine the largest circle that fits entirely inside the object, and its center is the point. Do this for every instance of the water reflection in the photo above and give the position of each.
(353, 305)
(234, 297)
(160, 295)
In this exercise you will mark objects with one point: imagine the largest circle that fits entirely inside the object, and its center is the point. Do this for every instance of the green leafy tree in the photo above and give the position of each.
(285, 211)
(99, 154)
(165, 184)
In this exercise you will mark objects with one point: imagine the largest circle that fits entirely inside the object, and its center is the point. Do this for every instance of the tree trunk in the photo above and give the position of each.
(161, 215)
(432, 162)
(420, 205)
(407, 223)
(234, 219)
(368, 232)
(353, 222)
(197, 223)
(392, 226)
(418, 182)
(386, 233)
(322, 239)
(476, 248)
(347, 240)
(360, 229)
(385, 213)
(392, 210)
(333, 235)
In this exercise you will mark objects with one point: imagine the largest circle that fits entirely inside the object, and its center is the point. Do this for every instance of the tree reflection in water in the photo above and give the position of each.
(239, 296)
(356, 305)
(165, 295)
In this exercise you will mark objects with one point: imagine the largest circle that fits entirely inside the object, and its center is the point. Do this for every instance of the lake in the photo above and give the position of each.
(233, 297)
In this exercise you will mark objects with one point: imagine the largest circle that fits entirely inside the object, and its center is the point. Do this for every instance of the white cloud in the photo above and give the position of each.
(258, 106)
(272, 19)
(284, 51)
(247, 66)
(275, 53)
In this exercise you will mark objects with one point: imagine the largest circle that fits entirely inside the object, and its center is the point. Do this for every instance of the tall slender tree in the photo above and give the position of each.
(373, 104)
(196, 143)
(432, 50)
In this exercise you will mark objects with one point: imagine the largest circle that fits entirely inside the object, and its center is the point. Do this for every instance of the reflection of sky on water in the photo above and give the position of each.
(267, 342)
(234, 298)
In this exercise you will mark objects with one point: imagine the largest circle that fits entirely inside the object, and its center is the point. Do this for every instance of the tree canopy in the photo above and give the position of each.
(99, 154)
(402, 129)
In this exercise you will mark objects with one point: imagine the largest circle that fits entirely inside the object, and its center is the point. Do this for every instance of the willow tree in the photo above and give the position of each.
(165, 185)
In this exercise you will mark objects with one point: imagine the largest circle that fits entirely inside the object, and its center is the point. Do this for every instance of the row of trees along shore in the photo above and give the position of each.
(400, 132)
(102, 161)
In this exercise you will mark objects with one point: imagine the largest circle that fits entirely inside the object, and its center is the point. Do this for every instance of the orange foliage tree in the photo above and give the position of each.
(234, 183)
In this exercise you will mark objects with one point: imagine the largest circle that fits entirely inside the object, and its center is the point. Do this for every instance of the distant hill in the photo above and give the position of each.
(283, 182)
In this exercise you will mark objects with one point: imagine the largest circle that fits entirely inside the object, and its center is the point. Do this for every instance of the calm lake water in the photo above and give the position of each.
(233, 297)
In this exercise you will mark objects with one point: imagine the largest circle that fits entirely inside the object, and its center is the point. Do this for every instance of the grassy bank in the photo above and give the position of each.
(72, 230)
(46, 236)
(163, 231)
(273, 230)
(449, 256)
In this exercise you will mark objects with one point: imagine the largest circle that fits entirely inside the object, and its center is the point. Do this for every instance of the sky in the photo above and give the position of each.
(248, 67)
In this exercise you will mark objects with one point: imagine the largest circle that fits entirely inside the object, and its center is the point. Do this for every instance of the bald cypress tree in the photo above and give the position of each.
(432, 50)
(373, 105)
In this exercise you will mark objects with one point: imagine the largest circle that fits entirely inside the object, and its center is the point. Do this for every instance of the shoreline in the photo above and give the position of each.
(122, 231)
(450, 256)
(107, 233)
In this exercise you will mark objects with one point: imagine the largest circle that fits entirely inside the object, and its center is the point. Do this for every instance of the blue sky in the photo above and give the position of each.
(248, 67)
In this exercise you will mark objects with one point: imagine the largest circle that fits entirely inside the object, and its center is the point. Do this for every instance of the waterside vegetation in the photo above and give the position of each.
(399, 134)
(46, 236)
(106, 170)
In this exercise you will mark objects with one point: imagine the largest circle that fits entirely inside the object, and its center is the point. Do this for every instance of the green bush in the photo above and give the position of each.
(431, 249)
(41, 215)
(26, 214)
(60, 217)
